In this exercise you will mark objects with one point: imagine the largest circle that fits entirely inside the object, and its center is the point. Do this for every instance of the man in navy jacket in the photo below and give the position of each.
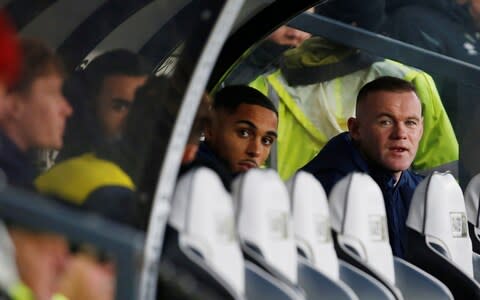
(382, 141)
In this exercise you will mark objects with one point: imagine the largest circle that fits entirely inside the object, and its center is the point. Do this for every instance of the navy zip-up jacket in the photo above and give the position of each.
(340, 157)
(208, 158)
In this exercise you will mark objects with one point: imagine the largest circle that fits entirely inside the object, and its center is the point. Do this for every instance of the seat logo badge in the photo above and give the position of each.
(458, 224)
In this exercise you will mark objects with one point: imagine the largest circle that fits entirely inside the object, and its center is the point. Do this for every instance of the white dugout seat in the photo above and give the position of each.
(203, 217)
(311, 223)
(359, 222)
(315, 245)
(202, 214)
(438, 238)
(265, 228)
(318, 270)
(472, 199)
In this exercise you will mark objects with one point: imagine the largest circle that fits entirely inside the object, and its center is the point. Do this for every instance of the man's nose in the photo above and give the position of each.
(400, 131)
(67, 108)
(254, 147)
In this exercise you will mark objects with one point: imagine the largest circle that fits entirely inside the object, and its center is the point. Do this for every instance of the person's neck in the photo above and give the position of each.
(16, 137)
(372, 165)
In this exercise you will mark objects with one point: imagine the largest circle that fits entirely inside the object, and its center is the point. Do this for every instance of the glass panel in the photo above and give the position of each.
(322, 99)
(90, 97)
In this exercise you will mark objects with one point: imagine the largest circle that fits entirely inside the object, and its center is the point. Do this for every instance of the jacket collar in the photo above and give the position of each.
(318, 60)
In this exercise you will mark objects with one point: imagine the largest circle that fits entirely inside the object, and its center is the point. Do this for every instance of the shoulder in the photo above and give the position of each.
(207, 158)
(413, 178)
(76, 178)
(337, 159)
(338, 153)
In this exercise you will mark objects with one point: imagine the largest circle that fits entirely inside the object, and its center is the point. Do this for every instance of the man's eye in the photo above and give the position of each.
(411, 123)
(267, 141)
(120, 105)
(385, 122)
(243, 133)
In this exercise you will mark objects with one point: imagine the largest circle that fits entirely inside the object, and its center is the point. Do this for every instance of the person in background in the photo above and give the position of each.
(10, 65)
(10, 60)
(102, 95)
(36, 114)
(107, 178)
(266, 56)
(105, 184)
(33, 263)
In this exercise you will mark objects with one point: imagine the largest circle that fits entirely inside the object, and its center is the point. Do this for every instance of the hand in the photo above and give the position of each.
(86, 278)
(288, 36)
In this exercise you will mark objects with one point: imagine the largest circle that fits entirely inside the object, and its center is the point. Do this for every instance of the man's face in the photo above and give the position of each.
(243, 139)
(114, 100)
(42, 113)
(388, 129)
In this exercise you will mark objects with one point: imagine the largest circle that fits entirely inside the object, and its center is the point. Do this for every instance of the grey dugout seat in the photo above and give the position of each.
(202, 239)
(438, 238)
(311, 219)
(359, 224)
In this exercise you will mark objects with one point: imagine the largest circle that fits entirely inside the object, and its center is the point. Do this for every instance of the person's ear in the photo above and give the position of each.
(353, 128)
(208, 129)
(14, 105)
(189, 153)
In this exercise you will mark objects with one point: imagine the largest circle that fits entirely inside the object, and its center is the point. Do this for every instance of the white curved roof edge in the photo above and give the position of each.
(69, 13)
(135, 32)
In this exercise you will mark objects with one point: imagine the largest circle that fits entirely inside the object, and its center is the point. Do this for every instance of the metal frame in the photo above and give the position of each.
(254, 30)
(387, 47)
(217, 17)
(125, 244)
(259, 26)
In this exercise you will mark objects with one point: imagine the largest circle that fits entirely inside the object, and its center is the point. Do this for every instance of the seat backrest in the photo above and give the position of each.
(472, 199)
(264, 222)
(311, 222)
(437, 212)
(202, 213)
(262, 285)
(358, 217)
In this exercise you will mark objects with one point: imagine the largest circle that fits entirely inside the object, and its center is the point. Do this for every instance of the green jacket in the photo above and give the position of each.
(315, 92)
